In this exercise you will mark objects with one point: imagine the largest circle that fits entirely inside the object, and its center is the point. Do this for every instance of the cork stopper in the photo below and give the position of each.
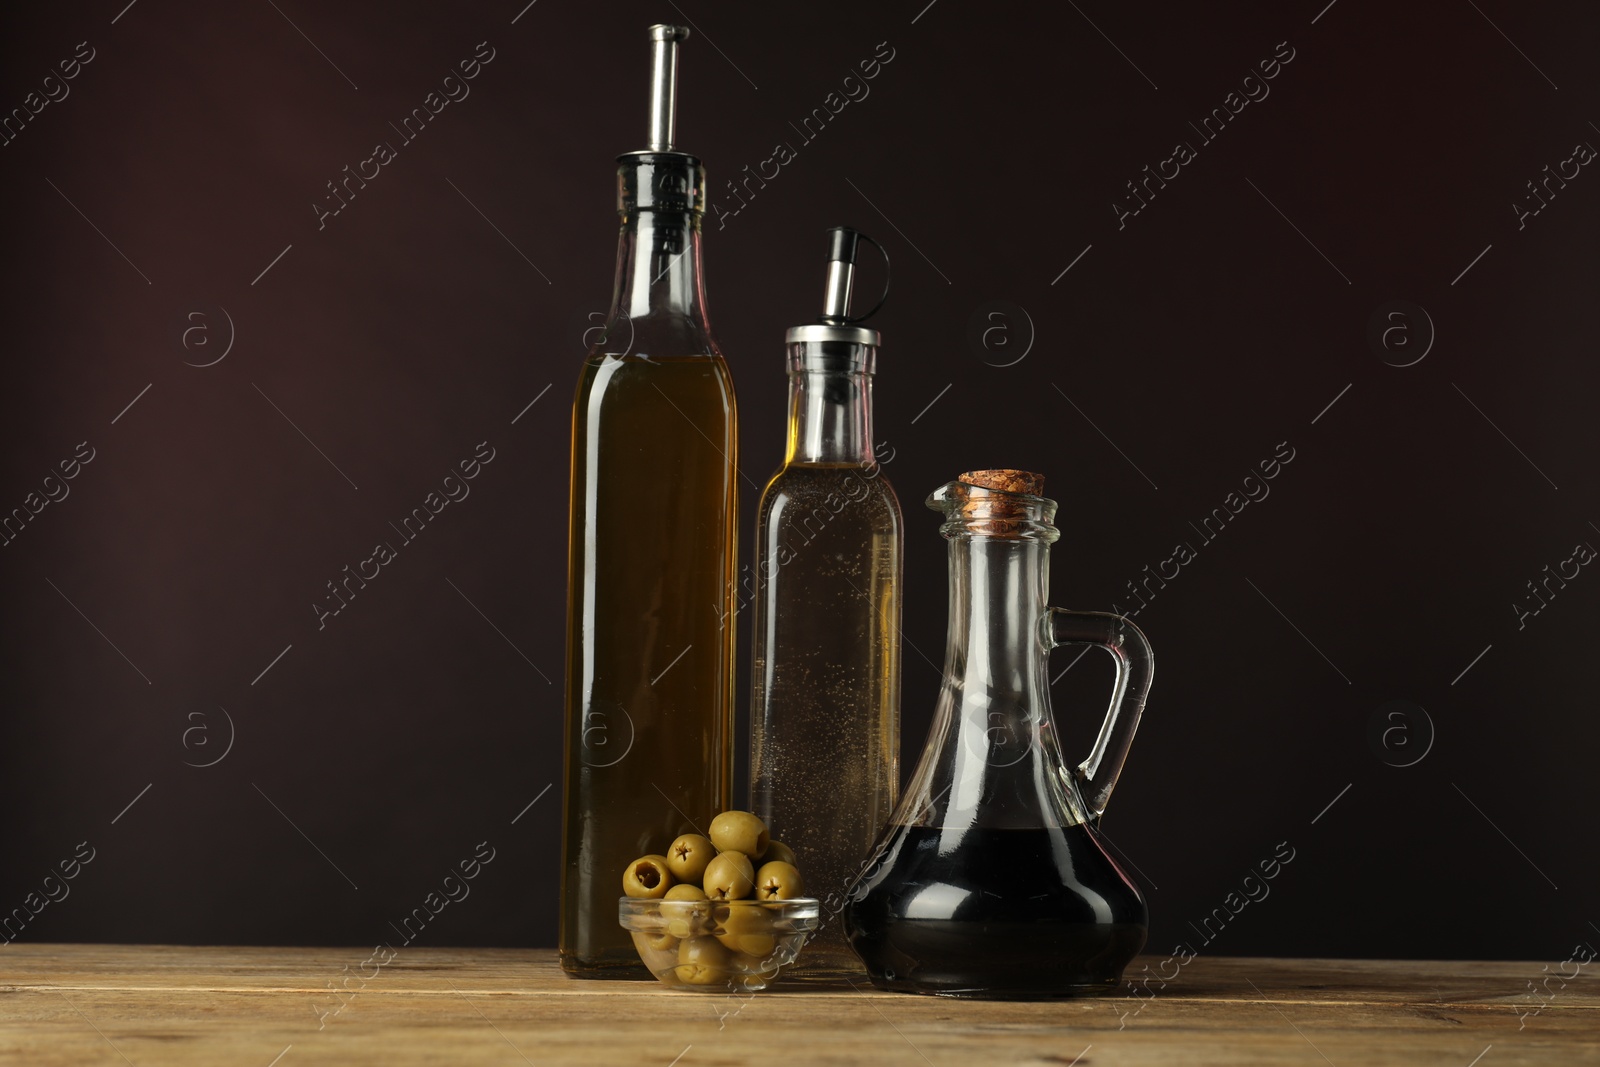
(1007, 481)
(995, 515)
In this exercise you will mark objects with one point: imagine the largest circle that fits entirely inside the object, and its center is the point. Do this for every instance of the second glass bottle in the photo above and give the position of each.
(825, 710)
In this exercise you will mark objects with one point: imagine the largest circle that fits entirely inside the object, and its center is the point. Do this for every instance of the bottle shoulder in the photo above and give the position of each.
(656, 337)
(797, 491)
(607, 373)
(672, 358)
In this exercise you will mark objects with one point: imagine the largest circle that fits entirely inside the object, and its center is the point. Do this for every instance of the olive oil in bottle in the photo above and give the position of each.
(650, 627)
(825, 712)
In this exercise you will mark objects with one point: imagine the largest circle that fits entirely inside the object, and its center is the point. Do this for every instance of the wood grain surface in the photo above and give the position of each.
(255, 1007)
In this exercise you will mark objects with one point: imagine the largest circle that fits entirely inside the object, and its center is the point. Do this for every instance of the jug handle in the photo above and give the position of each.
(1098, 774)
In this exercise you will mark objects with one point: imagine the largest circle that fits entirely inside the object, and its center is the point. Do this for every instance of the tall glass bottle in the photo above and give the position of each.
(650, 628)
(825, 712)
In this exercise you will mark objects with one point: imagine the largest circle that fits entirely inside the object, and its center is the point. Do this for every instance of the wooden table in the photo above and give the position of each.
(255, 1007)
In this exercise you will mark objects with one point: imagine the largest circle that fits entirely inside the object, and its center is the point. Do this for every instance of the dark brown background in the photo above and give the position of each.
(408, 330)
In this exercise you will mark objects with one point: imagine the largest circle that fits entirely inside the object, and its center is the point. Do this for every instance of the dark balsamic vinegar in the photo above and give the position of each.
(996, 913)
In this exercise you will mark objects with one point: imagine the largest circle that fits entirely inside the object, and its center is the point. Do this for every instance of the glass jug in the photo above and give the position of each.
(990, 879)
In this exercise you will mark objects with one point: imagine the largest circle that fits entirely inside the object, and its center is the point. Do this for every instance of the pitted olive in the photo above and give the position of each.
(739, 831)
(744, 927)
(647, 877)
(778, 881)
(729, 877)
(703, 961)
(687, 857)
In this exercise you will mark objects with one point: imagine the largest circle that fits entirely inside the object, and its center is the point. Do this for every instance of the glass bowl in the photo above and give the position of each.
(718, 946)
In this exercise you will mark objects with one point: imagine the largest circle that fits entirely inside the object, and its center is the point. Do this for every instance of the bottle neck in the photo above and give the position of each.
(830, 404)
(1004, 764)
(659, 282)
(998, 592)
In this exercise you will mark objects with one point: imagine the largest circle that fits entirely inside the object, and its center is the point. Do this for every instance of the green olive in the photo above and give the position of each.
(702, 961)
(779, 881)
(685, 891)
(687, 857)
(744, 927)
(745, 965)
(778, 852)
(681, 918)
(661, 942)
(739, 831)
(729, 876)
(647, 877)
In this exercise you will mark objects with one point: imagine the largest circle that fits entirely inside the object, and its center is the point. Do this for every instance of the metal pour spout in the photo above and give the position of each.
(837, 324)
(664, 84)
(841, 274)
